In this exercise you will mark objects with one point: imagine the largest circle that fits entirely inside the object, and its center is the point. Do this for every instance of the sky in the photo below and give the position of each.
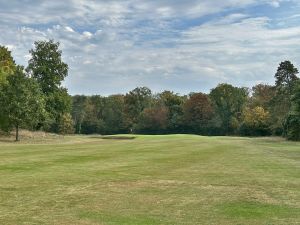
(180, 45)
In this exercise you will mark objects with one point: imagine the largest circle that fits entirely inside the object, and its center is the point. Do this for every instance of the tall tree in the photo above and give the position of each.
(229, 102)
(58, 103)
(46, 65)
(7, 67)
(286, 76)
(292, 123)
(22, 101)
(79, 103)
(48, 69)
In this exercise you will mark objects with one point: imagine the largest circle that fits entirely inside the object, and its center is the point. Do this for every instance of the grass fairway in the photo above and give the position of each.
(174, 179)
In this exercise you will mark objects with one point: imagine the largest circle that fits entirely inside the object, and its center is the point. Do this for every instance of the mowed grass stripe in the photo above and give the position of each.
(171, 179)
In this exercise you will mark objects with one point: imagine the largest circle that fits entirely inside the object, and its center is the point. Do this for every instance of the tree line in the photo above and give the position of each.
(33, 98)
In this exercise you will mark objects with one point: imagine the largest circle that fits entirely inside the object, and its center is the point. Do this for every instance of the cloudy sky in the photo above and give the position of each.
(180, 45)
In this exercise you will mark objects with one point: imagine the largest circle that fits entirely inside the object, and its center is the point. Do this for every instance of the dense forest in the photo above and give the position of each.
(33, 98)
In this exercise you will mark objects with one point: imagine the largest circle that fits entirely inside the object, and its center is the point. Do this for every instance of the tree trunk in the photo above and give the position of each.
(79, 128)
(17, 133)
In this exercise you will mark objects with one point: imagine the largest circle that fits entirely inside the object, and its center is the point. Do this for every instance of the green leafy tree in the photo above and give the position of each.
(66, 124)
(135, 102)
(292, 123)
(286, 76)
(22, 101)
(93, 121)
(198, 112)
(174, 104)
(79, 103)
(48, 69)
(58, 103)
(7, 64)
(46, 65)
(153, 120)
(7, 67)
(114, 114)
(229, 102)
(262, 95)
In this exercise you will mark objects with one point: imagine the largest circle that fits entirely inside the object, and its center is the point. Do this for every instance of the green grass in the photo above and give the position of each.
(172, 179)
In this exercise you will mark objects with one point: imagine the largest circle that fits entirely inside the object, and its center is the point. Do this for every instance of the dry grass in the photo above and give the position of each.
(172, 179)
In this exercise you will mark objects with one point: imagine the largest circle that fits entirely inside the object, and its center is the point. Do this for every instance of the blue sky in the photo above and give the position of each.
(180, 45)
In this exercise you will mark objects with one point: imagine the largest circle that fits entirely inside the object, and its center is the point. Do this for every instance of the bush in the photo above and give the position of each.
(66, 124)
(292, 128)
(255, 122)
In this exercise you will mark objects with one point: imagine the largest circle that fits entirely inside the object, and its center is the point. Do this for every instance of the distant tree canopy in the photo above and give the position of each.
(79, 103)
(229, 102)
(135, 102)
(292, 123)
(174, 105)
(262, 96)
(153, 120)
(198, 112)
(255, 122)
(35, 99)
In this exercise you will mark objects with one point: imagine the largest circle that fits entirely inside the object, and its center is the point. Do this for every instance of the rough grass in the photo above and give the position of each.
(174, 179)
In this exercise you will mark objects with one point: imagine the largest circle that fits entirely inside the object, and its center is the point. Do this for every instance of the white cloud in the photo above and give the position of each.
(232, 18)
(87, 34)
(275, 4)
(69, 29)
(115, 46)
(10, 47)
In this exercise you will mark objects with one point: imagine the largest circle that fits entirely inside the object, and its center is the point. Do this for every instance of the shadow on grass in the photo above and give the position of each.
(116, 137)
